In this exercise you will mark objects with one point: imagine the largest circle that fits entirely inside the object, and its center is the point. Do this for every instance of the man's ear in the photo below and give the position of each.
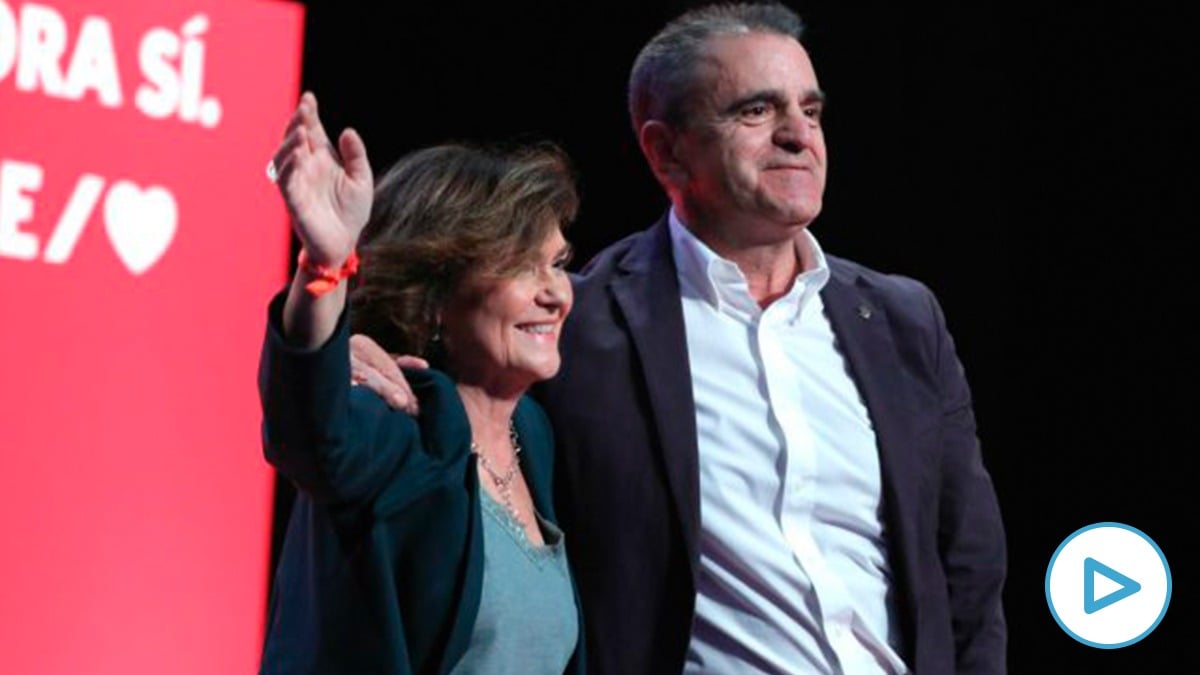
(659, 143)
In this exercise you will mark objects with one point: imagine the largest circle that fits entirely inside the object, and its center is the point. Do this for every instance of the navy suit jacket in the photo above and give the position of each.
(628, 479)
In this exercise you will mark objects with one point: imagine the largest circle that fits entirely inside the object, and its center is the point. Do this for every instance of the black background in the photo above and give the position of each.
(1032, 165)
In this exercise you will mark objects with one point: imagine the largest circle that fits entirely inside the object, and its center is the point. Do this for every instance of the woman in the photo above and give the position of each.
(427, 544)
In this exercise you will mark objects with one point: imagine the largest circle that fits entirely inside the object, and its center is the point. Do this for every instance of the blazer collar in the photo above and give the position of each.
(646, 289)
(864, 335)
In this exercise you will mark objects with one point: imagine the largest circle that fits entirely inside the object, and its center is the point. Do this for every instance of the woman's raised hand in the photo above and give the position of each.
(329, 199)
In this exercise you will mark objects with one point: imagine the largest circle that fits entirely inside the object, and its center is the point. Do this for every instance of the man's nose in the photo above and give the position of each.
(794, 131)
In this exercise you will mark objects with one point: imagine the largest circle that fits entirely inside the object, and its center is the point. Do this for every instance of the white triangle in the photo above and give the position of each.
(1104, 586)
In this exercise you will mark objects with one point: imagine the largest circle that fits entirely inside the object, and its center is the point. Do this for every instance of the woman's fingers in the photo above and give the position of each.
(354, 157)
(312, 122)
(286, 156)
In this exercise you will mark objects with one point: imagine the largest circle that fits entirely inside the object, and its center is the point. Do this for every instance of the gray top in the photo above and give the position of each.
(527, 621)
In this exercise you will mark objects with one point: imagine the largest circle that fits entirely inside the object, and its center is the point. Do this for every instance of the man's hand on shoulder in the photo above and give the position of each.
(375, 369)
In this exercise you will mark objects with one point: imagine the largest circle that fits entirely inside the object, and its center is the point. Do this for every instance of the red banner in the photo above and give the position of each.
(139, 243)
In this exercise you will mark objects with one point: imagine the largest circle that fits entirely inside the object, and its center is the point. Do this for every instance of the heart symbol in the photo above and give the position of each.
(140, 223)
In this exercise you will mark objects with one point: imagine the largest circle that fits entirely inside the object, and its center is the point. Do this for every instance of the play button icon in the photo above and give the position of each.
(1126, 586)
(1108, 585)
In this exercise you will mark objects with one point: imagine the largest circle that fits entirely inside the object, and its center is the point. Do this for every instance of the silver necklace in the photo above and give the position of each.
(504, 481)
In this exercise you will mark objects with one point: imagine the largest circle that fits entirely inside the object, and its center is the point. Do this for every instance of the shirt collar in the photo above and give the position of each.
(722, 285)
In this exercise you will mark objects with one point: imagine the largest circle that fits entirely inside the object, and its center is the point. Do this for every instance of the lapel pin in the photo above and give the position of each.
(864, 312)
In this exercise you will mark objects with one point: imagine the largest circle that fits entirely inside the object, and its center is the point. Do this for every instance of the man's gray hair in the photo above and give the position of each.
(661, 80)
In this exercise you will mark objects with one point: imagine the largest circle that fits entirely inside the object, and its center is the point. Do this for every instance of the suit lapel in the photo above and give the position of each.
(536, 458)
(647, 292)
(864, 335)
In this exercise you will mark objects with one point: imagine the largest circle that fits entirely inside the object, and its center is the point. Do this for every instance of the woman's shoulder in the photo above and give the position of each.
(445, 430)
(440, 443)
(443, 414)
(531, 412)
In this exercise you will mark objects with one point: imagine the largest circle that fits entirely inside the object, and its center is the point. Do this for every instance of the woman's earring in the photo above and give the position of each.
(435, 349)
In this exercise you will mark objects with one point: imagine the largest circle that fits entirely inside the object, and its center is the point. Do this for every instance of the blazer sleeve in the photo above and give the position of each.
(971, 540)
(335, 442)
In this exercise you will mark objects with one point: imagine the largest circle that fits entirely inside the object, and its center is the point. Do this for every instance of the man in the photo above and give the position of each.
(767, 457)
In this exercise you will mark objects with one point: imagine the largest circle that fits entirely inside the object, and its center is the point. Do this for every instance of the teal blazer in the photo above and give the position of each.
(382, 566)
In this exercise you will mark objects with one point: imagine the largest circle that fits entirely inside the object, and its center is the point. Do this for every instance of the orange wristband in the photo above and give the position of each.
(327, 278)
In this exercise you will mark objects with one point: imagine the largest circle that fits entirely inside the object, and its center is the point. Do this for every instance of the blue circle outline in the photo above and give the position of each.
(1162, 558)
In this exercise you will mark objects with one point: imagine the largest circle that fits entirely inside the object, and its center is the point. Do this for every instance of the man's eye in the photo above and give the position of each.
(756, 110)
(813, 112)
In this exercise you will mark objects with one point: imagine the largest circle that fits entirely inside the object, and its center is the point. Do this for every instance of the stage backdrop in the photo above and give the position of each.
(139, 243)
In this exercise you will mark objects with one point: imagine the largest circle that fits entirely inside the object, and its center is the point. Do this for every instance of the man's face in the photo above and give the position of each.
(751, 150)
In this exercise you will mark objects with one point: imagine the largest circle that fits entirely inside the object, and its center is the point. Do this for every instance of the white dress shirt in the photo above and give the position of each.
(794, 574)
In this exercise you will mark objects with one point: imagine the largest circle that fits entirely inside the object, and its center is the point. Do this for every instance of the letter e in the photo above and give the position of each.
(17, 178)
